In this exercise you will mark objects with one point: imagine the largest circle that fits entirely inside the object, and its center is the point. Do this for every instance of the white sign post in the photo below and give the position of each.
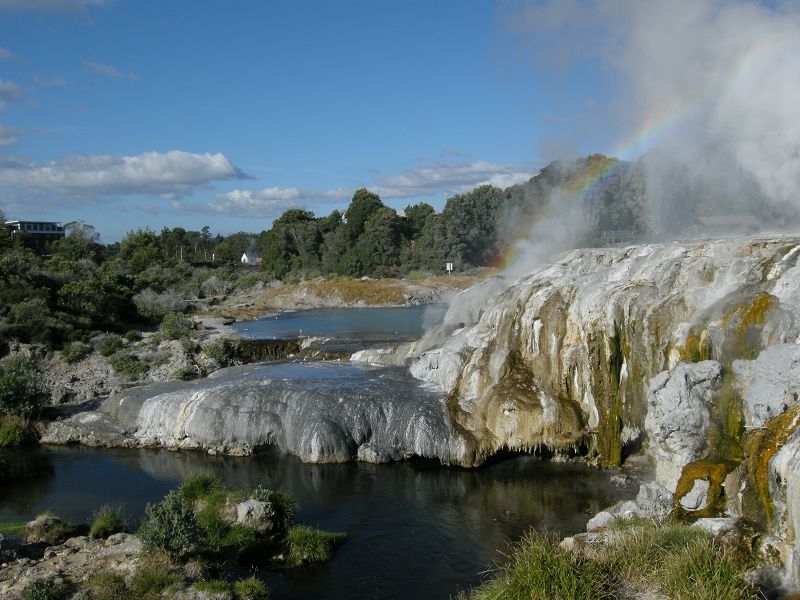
(449, 268)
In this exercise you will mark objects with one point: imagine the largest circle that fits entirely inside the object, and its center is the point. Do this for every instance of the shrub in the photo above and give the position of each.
(154, 306)
(33, 313)
(22, 388)
(216, 286)
(14, 432)
(172, 526)
(175, 326)
(187, 373)
(110, 345)
(127, 364)
(219, 349)
(75, 352)
(132, 335)
(188, 345)
(306, 545)
(47, 588)
(107, 586)
(250, 589)
(108, 521)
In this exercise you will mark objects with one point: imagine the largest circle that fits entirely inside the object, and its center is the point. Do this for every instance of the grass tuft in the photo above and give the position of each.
(250, 589)
(307, 545)
(108, 521)
(538, 569)
(199, 486)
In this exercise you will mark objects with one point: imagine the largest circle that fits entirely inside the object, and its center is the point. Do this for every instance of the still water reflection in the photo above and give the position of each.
(416, 529)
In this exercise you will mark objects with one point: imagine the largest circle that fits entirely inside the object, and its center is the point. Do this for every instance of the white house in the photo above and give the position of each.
(250, 258)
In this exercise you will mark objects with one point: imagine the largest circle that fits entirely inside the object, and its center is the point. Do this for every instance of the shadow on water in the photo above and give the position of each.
(415, 528)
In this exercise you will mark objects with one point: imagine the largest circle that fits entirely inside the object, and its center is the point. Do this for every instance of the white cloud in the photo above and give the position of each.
(52, 81)
(431, 179)
(174, 172)
(59, 6)
(108, 70)
(8, 55)
(270, 202)
(425, 180)
(9, 91)
(8, 135)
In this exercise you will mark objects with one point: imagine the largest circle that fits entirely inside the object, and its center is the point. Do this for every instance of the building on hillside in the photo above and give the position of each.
(251, 258)
(36, 233)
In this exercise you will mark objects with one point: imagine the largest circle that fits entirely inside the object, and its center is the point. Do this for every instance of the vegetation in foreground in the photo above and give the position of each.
(188, 540)
(675, 560)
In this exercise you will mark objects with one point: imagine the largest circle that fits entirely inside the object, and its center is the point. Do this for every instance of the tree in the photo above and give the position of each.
(140, 249)
(22, 388)
(377, 251)
(363, 204)
(5, 233)
(417, 215)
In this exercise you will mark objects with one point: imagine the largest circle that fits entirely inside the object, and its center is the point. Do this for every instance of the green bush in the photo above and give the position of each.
(307, 545)
(187, 373)
(132, 335)
(127, 364)
(22, 388)
(107, 586)
(172, 526)
(175, 326)
(47, 588)
(219, 349)
(250, 589)
(188, 345)
(108, 521)
(110, 345)
(14, 432)
(75, 352)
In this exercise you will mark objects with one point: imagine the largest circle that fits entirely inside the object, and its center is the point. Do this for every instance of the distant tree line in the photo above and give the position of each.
(473, 229)
(78, 287)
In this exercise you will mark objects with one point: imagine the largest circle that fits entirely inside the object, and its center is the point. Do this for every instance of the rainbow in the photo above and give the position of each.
(656, 126)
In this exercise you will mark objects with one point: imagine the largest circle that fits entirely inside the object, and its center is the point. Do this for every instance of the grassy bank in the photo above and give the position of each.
(336, 292)
(633, 560)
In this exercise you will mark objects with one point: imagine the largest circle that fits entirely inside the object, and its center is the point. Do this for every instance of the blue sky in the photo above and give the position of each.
(138, 113)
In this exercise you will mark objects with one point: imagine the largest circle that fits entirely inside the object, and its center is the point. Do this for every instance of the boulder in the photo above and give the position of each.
(769, 384)
(47, 529)
(679, 416)
(256, 514)
(697, 497)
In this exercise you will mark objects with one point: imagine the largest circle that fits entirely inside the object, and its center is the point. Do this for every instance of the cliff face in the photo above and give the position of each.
(687, 350)
(565, 356)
